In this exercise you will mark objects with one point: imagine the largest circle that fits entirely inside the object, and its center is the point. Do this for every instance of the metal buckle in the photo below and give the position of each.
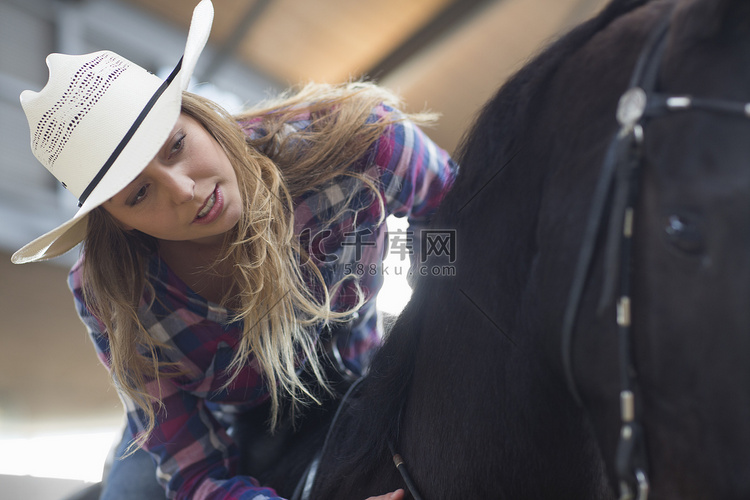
(643, 486)
(631, 107)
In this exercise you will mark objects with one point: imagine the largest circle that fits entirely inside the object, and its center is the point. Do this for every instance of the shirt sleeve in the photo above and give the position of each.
(195, 457)
(416, 174)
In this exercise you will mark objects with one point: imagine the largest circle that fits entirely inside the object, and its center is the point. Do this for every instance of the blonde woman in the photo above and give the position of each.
(217, 250)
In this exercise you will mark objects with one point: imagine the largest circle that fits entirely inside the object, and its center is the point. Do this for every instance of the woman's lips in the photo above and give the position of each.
(207, 205)
(211, 208)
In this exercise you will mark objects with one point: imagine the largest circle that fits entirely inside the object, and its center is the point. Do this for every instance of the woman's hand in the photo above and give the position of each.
(396, 495)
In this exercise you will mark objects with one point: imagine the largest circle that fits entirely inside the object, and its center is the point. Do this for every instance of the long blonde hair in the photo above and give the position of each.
(281, 312)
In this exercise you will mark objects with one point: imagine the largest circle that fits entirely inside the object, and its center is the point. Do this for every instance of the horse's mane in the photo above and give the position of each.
(500, 125)
(496, 133)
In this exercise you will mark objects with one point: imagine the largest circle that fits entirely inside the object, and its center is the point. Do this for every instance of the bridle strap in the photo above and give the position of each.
(617, 154)
(617, 188)
(660, 104)
(585, 259)
(631, 459)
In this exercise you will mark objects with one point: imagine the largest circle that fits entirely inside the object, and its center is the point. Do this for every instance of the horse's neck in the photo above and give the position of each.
(484, 410)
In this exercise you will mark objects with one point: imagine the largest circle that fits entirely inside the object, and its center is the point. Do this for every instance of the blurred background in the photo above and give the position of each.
(58, 415)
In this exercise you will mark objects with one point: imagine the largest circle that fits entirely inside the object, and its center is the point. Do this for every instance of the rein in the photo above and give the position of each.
(307, 481)
(618, 187)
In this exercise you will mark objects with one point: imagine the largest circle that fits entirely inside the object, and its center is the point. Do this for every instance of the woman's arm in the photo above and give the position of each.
(416, 174)
(195, 456)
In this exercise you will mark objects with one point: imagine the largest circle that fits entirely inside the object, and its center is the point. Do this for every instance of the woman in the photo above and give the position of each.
(220, 253)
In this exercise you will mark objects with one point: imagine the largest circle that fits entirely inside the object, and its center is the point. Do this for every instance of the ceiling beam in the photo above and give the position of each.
(451, 16)
(228, 48)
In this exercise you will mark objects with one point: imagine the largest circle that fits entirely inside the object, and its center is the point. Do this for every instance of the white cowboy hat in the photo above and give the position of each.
(98, 122)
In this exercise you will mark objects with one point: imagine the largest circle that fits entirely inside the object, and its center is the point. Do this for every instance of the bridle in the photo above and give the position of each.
(617, 188)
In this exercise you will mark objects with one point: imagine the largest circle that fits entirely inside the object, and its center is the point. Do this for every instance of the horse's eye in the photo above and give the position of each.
(684, 235)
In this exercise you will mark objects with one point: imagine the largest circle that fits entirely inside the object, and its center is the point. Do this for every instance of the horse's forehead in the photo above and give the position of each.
(702, 19)
(714, 33)
(635, 23)
(698, 158)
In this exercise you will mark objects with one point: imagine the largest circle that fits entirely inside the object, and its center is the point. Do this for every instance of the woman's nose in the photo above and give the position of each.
(178, 186)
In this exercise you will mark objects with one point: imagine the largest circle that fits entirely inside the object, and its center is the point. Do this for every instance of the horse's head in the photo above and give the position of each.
(689, 364)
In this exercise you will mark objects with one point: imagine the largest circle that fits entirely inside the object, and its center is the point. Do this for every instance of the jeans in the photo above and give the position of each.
(132, 477)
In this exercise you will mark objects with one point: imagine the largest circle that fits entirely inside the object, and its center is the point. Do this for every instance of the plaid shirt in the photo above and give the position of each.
(195, 456)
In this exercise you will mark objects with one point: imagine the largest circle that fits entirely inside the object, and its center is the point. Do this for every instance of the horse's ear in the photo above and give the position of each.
(707, 18)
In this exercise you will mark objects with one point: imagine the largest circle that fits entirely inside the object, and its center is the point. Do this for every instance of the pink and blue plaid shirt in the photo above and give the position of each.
(196, 458)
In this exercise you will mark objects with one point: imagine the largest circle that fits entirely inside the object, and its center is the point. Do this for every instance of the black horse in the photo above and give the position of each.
(504, 380)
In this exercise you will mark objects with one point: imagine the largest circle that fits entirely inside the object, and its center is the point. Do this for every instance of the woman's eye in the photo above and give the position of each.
(177, 146)
(138, 196)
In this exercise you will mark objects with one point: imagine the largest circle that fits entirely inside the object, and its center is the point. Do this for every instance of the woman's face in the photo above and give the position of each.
(188, 192)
